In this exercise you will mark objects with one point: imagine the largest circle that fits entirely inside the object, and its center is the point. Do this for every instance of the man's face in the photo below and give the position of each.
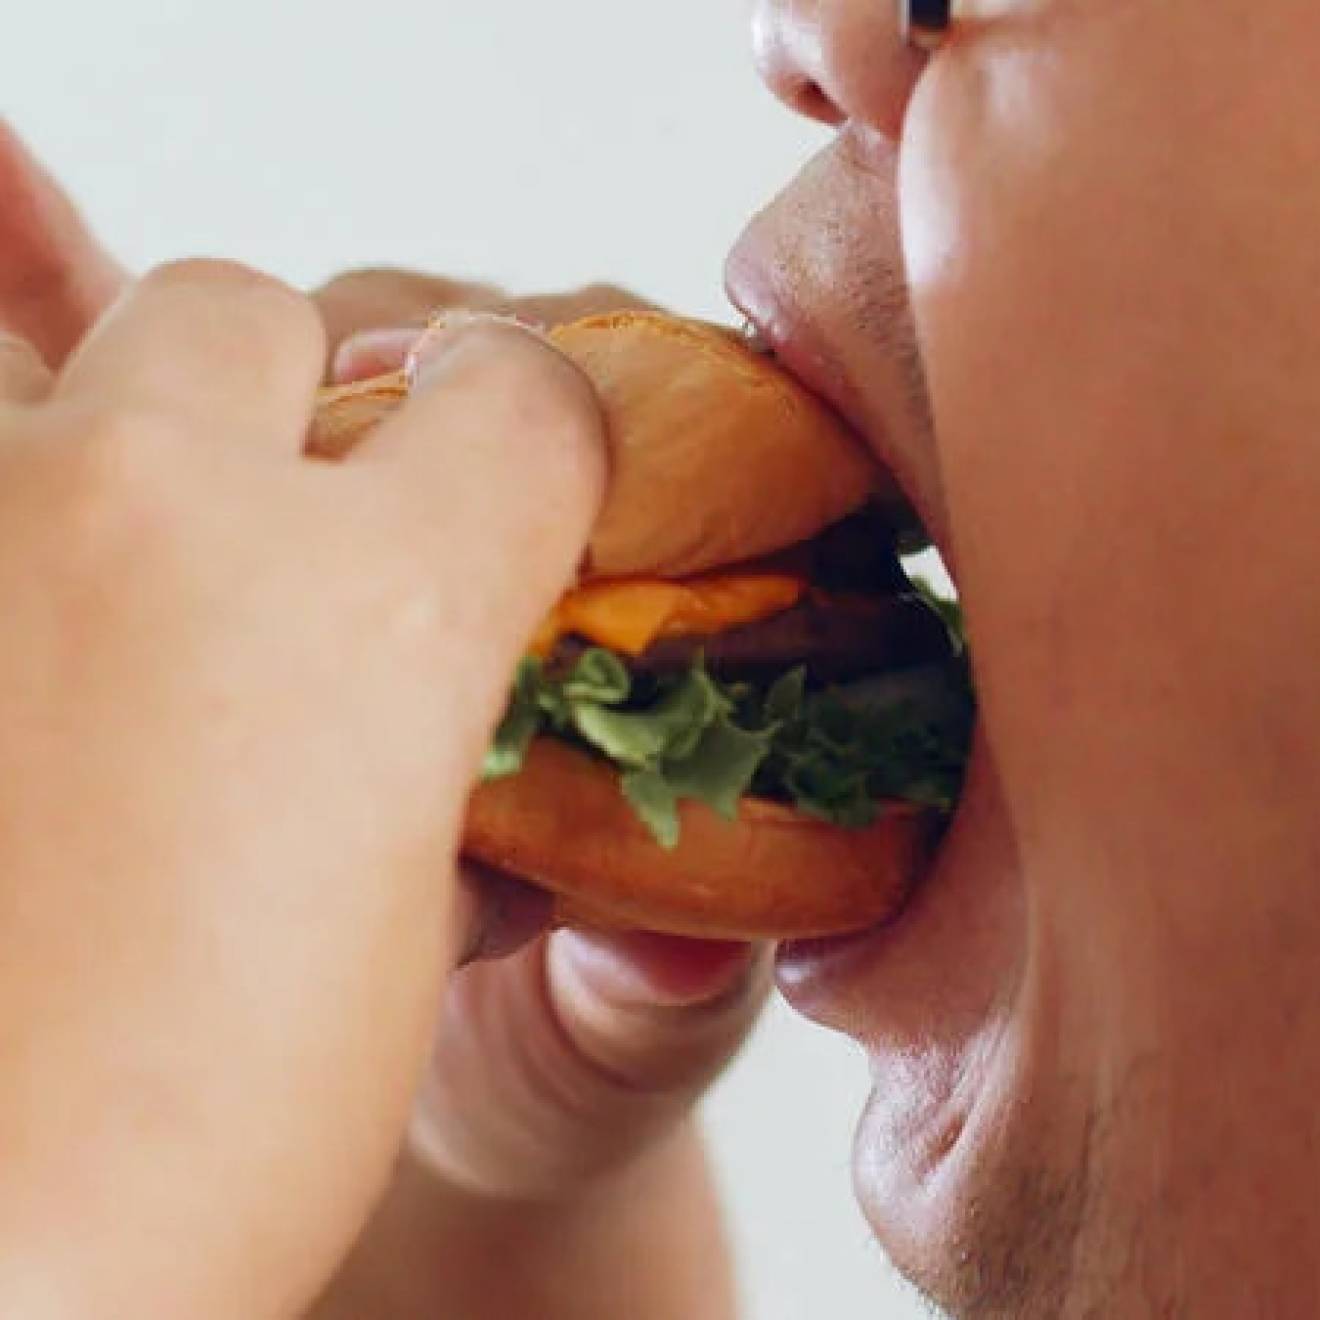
(1023, 269)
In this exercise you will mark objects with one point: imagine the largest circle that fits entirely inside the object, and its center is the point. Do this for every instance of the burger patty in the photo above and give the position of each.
(836, 639)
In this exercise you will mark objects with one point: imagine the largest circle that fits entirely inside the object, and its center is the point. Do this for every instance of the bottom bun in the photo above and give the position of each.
(773, 873)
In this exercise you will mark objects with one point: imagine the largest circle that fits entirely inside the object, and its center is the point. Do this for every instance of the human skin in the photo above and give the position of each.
(228, 852)
(1093, 1035)
(553, 1130)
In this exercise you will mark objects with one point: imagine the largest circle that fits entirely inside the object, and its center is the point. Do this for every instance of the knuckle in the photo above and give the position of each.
(391, 279)
(212, 274)
(261, 300)
(358, 290)
(385, 296)
(350, 281)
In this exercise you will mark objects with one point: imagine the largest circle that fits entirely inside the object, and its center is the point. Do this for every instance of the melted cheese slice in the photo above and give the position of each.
(628, 614)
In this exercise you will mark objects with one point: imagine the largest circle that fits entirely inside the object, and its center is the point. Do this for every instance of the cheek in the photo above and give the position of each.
(1017, 200)
(1089, 225)
(1107, 225)
(983, 222)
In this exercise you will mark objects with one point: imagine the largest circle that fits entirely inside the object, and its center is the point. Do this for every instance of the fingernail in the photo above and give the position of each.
(373, 353)
(445, 330)
(653, 970)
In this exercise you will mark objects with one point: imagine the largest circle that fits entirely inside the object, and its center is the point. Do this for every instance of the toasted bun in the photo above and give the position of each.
(717, 456)
(345, 413)
(771, 874)
(691, 411)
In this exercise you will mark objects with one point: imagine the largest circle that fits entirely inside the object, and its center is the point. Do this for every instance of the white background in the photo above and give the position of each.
(538, 144)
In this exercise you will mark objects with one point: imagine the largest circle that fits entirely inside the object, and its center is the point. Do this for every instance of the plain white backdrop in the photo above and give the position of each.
(540, 145)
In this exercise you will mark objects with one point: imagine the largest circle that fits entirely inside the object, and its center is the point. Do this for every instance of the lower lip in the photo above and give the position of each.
(811, 973)
(795, 355)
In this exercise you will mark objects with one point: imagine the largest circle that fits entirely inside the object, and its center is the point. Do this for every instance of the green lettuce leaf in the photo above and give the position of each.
(834, 754)
(523, 720)
(669, 730)
(653, 799)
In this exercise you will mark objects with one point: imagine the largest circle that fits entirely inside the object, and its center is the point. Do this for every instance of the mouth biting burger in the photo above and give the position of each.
(744, 721)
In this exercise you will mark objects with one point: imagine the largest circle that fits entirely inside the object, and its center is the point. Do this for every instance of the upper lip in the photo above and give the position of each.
(753, 288)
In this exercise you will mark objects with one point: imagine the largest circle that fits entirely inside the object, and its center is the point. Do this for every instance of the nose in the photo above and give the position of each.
(836, 60)
(786, 43)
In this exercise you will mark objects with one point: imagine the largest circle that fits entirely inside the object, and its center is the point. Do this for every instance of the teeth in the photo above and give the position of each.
(755, 340)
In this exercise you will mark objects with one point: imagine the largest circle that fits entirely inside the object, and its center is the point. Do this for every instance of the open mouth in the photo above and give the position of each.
(756, 339)
(776, 329)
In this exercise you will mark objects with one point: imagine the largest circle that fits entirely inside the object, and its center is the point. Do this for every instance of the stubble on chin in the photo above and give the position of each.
(1042, 1241)
(1011, 1253)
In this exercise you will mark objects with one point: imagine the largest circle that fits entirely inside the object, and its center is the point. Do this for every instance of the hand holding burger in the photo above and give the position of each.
(592, 1049)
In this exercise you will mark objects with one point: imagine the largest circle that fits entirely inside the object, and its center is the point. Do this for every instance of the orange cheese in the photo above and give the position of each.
(628, 614)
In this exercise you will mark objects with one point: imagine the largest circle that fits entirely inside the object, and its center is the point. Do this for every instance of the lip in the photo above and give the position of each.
(810, 974)
(752, 288)
(814, 976)
(784, 325)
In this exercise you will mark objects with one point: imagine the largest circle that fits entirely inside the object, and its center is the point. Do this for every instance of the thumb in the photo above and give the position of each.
(55, 278)
(655, 1013)
(578, 1054)
(497, 463)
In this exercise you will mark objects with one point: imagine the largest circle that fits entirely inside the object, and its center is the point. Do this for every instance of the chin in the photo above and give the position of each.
(970, 1181)
(948, 1153)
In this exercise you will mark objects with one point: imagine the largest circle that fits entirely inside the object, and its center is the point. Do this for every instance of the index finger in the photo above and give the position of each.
(55, 278)
(214, 347)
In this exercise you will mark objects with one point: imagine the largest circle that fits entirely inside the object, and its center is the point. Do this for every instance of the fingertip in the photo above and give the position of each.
(372, 353)
(534, 397)
(449, 333)
(504, 438)
(495, 463)
(56, 279)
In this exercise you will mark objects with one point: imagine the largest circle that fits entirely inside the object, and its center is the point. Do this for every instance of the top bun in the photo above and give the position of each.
(716, 454)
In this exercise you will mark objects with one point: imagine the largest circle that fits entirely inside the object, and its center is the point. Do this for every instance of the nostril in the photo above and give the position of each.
(786, 47)
(813, 101)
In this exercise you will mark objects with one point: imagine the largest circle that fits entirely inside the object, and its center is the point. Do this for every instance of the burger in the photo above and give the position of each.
(744, 720)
